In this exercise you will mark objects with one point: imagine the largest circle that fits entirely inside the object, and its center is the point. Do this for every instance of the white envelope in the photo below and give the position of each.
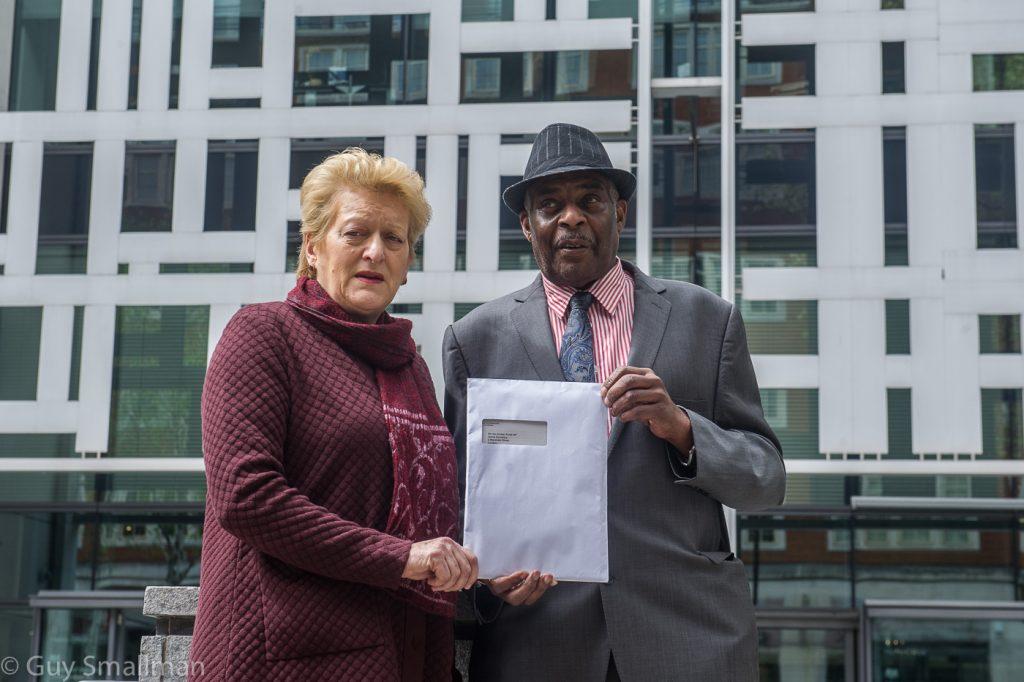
(537, 478)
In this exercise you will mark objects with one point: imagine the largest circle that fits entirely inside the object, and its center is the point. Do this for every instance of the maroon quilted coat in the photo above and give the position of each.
(298, 578)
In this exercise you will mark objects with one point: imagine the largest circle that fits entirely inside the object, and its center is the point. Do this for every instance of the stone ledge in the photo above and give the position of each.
(171, 602)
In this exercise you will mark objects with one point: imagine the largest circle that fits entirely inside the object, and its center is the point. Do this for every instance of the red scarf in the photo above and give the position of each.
(425, 497)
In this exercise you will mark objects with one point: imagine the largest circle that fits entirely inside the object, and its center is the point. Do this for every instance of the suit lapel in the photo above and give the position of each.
(650, 318)
(530, 319)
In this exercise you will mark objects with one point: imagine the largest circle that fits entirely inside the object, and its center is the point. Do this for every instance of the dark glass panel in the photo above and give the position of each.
(547, 76)
(148, 186)
(998, 72)
(945, 649)
(33, 85)
(204, 268)
(353, 60)
(996, 186)
(777, 70)
(20, 330)
(231, 185)
(893, 68)
(793, 415)
(767, 6)
(487, 10)
(897, 327)
(309, 152)
(894, 168)
(159, 367)
(175, 80)
(76, 352)
(900, 423)
(1002, 423)
(64, 208)
(999, 333)
(94, 54)
(133, 65)
(37, 445)
(237, 33)
(775, 183)
(610, 9)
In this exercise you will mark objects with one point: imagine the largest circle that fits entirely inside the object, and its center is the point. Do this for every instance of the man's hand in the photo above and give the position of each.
(446, 565)
(637, 394)
(521, 588)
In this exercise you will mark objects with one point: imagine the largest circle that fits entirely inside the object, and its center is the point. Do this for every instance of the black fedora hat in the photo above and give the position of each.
(566, 148)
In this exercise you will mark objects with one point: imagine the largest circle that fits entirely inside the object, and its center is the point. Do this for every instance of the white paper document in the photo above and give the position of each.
(537, 478)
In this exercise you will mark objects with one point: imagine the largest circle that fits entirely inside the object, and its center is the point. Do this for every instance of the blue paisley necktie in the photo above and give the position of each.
(577, 357)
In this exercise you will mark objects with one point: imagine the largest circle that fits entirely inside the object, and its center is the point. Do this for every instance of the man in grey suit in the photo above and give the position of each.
(688, 436)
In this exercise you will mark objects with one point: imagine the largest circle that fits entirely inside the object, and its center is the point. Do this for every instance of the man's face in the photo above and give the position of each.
(573, 223)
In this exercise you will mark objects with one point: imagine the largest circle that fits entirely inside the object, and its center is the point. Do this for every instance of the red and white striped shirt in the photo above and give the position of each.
(611, 317)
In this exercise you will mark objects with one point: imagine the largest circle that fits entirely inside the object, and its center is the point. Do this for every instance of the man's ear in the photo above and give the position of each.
(621, 211)
(524, 224)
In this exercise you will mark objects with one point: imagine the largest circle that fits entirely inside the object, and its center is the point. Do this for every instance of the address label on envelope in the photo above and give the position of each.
(537, 478)
(514, 432)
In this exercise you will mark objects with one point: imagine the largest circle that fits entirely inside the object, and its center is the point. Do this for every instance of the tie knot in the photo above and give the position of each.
(581, 300)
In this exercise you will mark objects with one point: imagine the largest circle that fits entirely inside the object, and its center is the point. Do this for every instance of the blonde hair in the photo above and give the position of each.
(356, 168)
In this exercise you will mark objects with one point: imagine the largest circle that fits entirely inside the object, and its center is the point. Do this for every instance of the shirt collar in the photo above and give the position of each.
(608, 291)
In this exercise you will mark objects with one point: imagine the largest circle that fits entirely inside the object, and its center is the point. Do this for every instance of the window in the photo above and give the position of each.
(172, 94)
(793, 415)
(64, 208)
(892, 4)
(774, 71)
(547, 76)
(231, 185)
(309, 152)
(463, 309)
(159, 367)
(133, 64)
(1002, 423)
(610, 9)
(205, 268)
(686, 188)
(998, 72)
(999, 333)
(995, 177)
(5, 183)
(237, 33)
(776, 182)
(353, 60)
(292, 245)
(148, 186)
(686, 39)
(893, 68)
(94, 54)
(767, 6)
(780, 327)
(37, 445)
(19, 352)
(76, 352)
(899, 417)
(33, 85)
(897, 327)
(487, 10)
(894, 168)
(462, 181)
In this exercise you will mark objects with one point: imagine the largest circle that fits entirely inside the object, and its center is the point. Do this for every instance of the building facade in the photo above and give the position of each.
(847, 171)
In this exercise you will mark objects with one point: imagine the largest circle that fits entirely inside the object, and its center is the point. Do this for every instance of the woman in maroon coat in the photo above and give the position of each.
(331, 479)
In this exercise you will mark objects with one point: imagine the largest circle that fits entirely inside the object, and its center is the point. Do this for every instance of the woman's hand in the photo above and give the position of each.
(446, 565)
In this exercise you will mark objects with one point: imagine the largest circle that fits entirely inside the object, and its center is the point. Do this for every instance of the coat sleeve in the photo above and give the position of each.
(738, 457)
(245, 415)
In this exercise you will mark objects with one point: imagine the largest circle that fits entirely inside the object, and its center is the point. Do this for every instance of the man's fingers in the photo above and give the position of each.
(519, 594)
(616, 375)
(543, 583)
(635, 398)
(499, 586)
(640, 413)
(643, 379)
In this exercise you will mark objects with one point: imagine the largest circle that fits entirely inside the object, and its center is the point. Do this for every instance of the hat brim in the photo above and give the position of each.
(625, 183)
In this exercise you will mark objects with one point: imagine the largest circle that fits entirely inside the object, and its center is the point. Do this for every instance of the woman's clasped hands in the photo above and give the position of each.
(446, 565)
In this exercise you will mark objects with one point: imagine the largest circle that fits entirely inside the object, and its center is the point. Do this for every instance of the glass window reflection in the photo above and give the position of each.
(547, 76)
(360, 60)
(148, 186)
(237, 33)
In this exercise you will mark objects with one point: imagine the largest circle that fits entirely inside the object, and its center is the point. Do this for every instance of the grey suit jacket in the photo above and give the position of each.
(677, 606)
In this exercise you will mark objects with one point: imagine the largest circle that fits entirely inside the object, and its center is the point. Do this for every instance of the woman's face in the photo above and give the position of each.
(365, 255)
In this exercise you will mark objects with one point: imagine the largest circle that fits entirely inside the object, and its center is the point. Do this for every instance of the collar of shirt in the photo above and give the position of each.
(608, 291)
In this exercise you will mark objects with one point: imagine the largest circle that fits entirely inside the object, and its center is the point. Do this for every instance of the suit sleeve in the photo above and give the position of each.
(245, 408)
(738, 457)
(486, 607)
